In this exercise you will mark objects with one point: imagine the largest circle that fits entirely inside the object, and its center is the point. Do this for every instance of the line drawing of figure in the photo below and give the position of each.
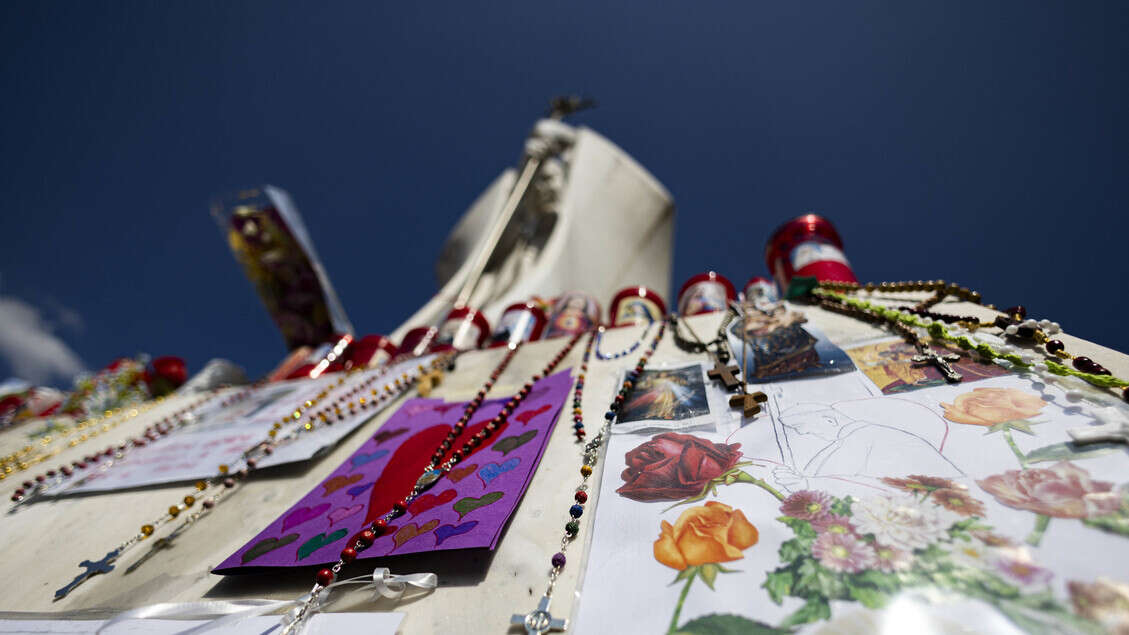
(667, 395)
(838, 447)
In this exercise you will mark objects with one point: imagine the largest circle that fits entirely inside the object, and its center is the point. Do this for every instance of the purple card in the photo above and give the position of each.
(467, 508)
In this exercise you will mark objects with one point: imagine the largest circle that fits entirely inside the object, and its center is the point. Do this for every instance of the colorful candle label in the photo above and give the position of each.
(574, 313)
(811, 251)
(636, 310)
(515, 326)
(460, 333)
(703, 297)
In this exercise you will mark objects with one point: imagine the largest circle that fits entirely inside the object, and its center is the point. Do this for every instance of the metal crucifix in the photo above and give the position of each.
(941, 361)
(105, 565)
(540, 620)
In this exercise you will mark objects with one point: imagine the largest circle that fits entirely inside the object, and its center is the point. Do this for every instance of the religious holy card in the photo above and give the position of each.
(671, 398)
(466, 508)
(777, 344)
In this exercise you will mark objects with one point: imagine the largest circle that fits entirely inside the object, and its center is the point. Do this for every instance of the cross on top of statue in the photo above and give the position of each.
(564, 105)
(724, 374)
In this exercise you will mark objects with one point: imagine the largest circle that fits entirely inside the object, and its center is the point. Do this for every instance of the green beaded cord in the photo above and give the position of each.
(938, 331)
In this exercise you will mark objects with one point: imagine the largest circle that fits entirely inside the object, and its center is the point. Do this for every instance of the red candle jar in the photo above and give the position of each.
(520, 322)
(807, 246)
(370, 351)
(759, 289)
(418, 341)
(464, 329)
(705, 293)
(573, 312)
(636, 305)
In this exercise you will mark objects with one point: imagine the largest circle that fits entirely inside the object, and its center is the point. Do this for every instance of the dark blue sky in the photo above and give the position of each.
(983, 143)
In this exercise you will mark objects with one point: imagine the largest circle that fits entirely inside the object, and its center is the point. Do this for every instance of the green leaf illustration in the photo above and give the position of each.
(868, 597)
(715, 624)
(816, 608)
(779, 584)
(795, 548)
(1114, 523)
(799, 526)
(1071, 451)
(842, 506)
(886, 582)
(709, 574)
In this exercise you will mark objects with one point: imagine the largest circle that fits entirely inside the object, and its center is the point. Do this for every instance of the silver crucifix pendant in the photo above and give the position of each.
(927, 356)
(540, 620)
(105, 565)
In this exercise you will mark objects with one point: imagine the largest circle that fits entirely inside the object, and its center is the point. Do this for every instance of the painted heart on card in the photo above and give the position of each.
(357, 490)
(319, 541)
(384, 435)
(491, 471)
(443, 408)
(509, 444)
(470, 503)
(447, 531)
(459, 473)
(427, 501)
(360, 459)
(342, 513)
(337, 482)
(409, 531)
(303, 514)
(267, 545)
(524, 417)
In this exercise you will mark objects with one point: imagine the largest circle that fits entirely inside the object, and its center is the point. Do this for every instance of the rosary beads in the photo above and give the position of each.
(228, 479)
(32, 489)
(540, 620)
(443, 459)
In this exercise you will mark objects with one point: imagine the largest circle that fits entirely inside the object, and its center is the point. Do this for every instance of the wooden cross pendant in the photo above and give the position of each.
(105, 565)
(724, 374)
(428, 381)
(927, 356)
(540, 620)
(749, 403)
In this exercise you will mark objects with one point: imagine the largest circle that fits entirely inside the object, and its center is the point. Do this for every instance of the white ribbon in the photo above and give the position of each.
(228, 613)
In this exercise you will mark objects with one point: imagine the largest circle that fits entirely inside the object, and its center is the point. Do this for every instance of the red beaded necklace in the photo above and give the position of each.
(441, 462)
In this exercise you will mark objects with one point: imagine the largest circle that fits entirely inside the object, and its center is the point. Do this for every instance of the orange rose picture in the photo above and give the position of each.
(990, 406)
(701, 539)
(712, 533)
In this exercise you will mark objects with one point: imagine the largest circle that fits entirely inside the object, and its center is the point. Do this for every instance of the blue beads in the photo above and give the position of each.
(578, 425)
(575, 511)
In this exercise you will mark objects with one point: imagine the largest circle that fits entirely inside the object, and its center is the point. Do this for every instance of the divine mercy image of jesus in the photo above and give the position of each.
(667, 395)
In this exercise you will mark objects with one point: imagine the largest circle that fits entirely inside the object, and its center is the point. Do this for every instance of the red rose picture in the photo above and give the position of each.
(673, 466)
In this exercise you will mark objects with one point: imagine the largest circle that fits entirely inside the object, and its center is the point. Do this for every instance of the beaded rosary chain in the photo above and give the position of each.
(940, 288)
(578, 392)
(90, 428)
(1014, 324)
(720, 351)
(227, 480)
(437, 467)
(1024, 330)
(34, 488)
(537, 620)
(599, 338)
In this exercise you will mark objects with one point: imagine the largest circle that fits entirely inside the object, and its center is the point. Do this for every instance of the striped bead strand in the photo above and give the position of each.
(591, 455)
(578, 392)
